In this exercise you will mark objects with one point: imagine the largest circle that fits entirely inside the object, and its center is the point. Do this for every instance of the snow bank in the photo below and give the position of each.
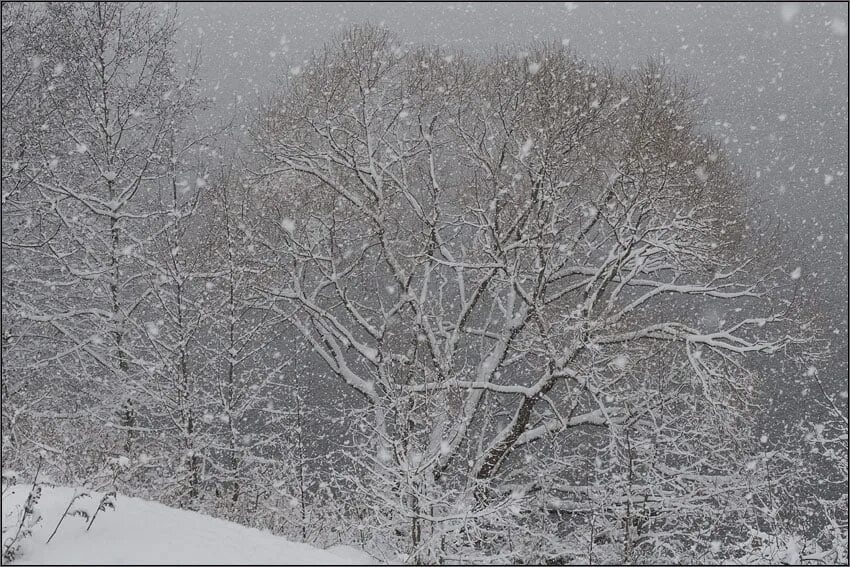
(142, 532)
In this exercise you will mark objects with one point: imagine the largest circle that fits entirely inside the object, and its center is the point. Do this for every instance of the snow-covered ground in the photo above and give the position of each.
(142, 532)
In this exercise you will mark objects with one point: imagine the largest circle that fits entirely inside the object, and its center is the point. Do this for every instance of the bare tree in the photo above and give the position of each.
(28, 224)
(245, 357)
(504, 253)
(108, 98)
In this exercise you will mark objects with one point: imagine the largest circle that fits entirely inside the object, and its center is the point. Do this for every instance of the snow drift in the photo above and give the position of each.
(142, 532)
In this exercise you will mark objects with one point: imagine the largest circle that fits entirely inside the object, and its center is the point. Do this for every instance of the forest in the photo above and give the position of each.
(439, 306)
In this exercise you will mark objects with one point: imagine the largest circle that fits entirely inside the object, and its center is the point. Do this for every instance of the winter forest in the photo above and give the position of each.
(536, 292)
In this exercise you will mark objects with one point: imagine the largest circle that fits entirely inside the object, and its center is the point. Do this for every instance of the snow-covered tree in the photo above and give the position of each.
(517, 252)
(28, 226)
(93, 139)
(246, 360)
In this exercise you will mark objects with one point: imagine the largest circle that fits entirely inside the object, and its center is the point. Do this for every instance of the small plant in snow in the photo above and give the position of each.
(68, 512)
(9, 479)
(106, 501)
(28, 520)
